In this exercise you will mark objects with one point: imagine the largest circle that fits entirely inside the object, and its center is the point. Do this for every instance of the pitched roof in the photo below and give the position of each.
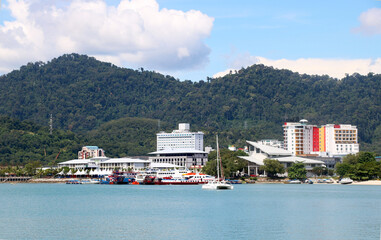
(270, 150)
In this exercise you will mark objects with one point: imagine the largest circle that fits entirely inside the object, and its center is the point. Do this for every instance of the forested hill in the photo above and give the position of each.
(22, 141)
(83, 93)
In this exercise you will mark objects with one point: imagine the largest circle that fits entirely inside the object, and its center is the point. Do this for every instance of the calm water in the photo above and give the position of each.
(297, 212)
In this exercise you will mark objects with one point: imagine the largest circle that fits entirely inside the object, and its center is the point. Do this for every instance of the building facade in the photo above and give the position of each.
(258, 152)
(181, 148)
(91, 152)
(326, 141)
(180, 139)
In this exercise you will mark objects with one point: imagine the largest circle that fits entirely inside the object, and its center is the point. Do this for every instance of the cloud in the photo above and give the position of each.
(314, 66)
(135, 33)
(370, 22)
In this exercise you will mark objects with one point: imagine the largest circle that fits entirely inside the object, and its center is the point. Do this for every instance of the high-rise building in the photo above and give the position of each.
(180, 139)
(181, 148)
(328, 140)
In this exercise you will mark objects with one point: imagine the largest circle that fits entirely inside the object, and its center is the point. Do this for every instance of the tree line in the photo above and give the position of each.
(83, 94)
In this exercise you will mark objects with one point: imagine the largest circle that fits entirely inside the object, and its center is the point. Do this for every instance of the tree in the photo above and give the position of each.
(272, 167)
(297, 171)
(318, 171)
(231, 163)
(365, 157)
(342, 169)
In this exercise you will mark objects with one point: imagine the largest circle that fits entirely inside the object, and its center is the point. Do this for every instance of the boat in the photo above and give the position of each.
(201, 178)
(308, 181)
(149, 180)
(175, 181)
(73, 182)
(218, 184)
(294, 181)
(346, 181)
(90, 181)
(117, 178)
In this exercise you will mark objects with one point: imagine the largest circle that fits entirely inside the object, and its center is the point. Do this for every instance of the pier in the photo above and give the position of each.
(14, 179)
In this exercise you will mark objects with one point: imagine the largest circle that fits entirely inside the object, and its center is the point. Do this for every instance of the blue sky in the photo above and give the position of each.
(193, 39)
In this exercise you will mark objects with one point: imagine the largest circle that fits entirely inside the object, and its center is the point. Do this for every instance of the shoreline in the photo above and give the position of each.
(63, 180)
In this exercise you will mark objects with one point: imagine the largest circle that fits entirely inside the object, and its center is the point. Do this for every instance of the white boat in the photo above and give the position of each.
(162, 174)
(346, 181)
(295, 181)
(218, 184)
(199, 177)
(90, 181)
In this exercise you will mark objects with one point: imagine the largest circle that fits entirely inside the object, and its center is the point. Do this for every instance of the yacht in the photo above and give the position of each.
(218, 184)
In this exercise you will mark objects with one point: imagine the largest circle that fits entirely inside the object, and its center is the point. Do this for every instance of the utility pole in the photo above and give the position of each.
(158, 125)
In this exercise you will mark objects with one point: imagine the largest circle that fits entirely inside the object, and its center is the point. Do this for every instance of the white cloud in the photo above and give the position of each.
(314, 66)
(134, 33)
(370, 22)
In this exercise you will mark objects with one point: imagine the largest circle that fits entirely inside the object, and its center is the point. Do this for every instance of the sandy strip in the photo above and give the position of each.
(371, 182)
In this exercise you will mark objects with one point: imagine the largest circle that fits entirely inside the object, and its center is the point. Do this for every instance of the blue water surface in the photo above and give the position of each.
(256, 211)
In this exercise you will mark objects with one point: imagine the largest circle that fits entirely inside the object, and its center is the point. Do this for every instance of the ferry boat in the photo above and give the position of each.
(199, 177)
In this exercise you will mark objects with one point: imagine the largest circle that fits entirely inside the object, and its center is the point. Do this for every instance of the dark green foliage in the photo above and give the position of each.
(126, 137)
(318, 171)
(272, 167)
(231, 163)
(25, 142)
(297, 171)
(83, 94)
(362, 166)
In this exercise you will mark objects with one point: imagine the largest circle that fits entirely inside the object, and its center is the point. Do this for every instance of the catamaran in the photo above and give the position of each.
(218, 184)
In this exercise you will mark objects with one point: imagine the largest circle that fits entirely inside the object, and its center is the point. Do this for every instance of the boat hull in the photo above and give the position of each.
(217, 186)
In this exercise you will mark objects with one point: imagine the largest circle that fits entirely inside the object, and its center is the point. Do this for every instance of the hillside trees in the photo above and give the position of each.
(83, 93)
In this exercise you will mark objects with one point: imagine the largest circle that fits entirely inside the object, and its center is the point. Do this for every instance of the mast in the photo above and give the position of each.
(218, 156)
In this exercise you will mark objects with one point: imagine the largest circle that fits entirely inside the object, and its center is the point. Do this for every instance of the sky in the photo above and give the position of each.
(196, 39)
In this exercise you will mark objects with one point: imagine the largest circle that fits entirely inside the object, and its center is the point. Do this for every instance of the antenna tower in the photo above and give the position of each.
(51, 124)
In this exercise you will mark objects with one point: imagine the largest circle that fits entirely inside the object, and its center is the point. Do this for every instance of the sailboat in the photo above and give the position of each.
(218, 184)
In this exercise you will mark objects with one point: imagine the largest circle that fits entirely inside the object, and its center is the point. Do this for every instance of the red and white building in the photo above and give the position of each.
(326, 141)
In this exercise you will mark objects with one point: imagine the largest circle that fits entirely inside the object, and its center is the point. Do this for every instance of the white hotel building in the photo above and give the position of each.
(180, 139)
(182, 148)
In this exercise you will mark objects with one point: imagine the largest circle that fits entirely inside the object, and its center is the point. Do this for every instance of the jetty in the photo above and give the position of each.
(14, 179)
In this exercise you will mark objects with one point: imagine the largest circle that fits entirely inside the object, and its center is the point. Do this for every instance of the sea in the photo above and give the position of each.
(250, 211)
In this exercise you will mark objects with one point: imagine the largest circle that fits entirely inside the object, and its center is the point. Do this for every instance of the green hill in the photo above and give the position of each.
(84, 94)
(22, 142)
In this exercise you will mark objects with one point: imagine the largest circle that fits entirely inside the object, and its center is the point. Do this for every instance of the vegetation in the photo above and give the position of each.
(272, 167)
(231, 163)
(318, 171)
(23, 142)
(118, 109)
(83, 93)
(297, 171)
(362, 166)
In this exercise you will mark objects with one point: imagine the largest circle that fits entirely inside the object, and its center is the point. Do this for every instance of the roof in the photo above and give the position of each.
(165, 165)
(125, 160)
(92, 147)
(299, 159)
(76, 161)
(270, 150)
(258, 159)
(177, 151)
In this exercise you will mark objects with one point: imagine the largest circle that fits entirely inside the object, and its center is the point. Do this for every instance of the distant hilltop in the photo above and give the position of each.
(83, 93)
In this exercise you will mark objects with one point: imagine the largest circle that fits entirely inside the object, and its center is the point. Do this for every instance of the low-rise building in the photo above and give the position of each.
(259, 152)
(189, 158)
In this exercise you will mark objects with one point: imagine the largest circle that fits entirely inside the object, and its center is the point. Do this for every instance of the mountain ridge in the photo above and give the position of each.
(83, 93)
